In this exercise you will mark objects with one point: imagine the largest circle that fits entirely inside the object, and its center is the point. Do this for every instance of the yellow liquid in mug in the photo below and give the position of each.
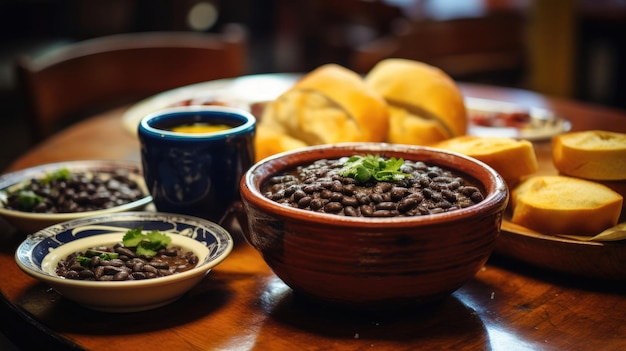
(200, 128)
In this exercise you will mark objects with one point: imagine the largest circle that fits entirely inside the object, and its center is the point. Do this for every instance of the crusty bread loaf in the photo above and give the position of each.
(427, 105)
(513, 159)
(565, 205)
(269, 141)
(331, 104)
(594, 154)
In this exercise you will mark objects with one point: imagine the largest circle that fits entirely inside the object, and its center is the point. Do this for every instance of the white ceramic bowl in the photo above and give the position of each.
(39, 254)
(29, 222)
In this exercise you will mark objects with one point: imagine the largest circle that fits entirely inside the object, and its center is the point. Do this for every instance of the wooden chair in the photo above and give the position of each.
(87, 77)
(483, 49)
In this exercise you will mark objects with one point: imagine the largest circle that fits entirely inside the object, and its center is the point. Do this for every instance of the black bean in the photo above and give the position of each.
(116, 262)
(349, 201)
(398, 192)
(363, 199)
(122, 275)
(316, 204)
(149, 269)
(477, 197)
(449, 195)
(72, 275)
(299, 194)
(137, 267)
(366, 210)
(138, 275)
(304, 202)
(326, 194)
(349, 189)
(125, 251)
(408, 203)
(382, 213)
(376, 198)
(86, 274)
(383, 187)
(336, 197)
(337, 186)
(333, 207)
(388, 205)
(350, 211)
(170, 252)
(159, 264)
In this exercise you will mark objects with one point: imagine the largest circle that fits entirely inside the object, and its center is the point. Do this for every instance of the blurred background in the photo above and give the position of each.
(566, 48)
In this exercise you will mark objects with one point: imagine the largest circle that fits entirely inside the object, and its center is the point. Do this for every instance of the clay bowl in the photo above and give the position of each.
(359, 262)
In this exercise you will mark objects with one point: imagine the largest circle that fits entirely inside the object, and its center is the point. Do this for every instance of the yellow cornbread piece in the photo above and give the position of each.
(513, 159)
(565, 205)
(595, 154)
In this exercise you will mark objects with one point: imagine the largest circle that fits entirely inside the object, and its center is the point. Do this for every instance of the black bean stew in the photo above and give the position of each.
(126, 266)
(320, 187)
(76, 192)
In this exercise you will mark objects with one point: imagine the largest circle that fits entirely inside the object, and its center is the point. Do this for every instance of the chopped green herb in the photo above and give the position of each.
(146, 244)
(364, 168)
(85, 260)
(28, 199)
(61, 174)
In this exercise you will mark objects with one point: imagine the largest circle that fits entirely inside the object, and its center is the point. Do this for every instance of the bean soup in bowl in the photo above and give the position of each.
(371, 225)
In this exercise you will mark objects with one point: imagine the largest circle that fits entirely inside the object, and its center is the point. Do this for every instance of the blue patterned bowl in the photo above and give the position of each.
(39, 254)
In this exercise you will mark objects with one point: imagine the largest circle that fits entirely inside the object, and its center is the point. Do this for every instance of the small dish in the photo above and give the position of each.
(29, 222)
(504, 119)
(39, 254)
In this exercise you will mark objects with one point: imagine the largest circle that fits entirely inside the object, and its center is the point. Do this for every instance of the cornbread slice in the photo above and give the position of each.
(565, 205)
(595, 154)
(513, 159)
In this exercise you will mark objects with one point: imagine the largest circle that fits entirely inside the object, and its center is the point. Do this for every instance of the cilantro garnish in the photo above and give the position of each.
(85, 260)
(364, 168)
(146, 243)
(28, 199)
(60, 174)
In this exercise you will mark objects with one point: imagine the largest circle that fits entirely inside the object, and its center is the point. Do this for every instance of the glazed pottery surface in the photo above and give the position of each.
(374, 262)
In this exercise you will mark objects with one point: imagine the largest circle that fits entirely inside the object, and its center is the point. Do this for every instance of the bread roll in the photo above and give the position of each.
(427, 106)
(596, 155)
(565, 205)
(331, 104)
(269, 142)
(512, 158)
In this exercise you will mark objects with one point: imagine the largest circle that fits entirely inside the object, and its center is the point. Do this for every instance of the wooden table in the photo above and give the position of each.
(241, 305)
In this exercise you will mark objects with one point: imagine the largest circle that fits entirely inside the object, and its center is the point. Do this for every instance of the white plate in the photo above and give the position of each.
(240, 92)
(38, 255)
(246, 91)
(28, 222)
(541, 124)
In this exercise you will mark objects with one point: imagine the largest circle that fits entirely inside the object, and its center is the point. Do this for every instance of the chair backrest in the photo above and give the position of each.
(466, 48)
(62, 86)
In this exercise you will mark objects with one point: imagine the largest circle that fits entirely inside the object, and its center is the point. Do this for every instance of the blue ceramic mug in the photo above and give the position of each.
(196, 173)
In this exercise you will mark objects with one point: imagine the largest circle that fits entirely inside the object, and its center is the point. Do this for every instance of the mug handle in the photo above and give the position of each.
(237, 212)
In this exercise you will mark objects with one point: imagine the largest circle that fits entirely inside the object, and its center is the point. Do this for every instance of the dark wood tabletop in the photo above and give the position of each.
(242, 305)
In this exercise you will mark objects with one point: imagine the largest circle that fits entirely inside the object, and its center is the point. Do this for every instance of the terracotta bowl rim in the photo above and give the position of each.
(495, 200)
